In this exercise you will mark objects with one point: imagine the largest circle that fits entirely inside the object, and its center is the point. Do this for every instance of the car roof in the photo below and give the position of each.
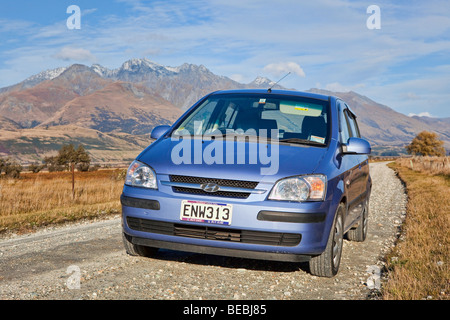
(276, 92)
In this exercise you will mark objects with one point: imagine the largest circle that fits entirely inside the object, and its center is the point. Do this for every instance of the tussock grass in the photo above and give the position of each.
(419, 264)
(38, 199)
(432, 165)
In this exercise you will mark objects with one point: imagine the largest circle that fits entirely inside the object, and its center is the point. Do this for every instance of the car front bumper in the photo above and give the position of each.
(260, 229)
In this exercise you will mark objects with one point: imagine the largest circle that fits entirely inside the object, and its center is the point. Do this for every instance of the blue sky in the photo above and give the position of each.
(325, 43)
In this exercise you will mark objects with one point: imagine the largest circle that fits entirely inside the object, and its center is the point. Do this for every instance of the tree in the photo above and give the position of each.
(69, 157)
(52, 164)
(35, 167)
(10, 167)
(426, 144)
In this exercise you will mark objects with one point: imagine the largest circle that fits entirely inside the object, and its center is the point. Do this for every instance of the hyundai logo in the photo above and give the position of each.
(210, 187)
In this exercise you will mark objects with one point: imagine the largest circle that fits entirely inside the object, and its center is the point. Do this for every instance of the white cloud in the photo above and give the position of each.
(17, 26)
(282, 68)
(88, 11)
(422, 114)
(79, 54)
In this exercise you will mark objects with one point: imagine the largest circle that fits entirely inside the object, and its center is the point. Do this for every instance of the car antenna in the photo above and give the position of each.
(270, 89)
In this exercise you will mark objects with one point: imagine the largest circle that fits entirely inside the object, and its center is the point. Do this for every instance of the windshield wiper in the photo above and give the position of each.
(301, 141)
(233, 135)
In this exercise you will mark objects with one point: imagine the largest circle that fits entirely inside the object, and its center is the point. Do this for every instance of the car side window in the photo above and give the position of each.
(343, 124)
(354, 130)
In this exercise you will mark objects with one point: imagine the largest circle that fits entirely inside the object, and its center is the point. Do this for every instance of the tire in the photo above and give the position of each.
(359, 233)
(327, 264)
(135, 249)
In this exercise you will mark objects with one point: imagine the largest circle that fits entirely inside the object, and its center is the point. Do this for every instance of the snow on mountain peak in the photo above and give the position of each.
(46, 75)
(143, 65)
(263, 81)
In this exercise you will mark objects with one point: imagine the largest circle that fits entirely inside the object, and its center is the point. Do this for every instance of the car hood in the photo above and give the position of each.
(226, 159)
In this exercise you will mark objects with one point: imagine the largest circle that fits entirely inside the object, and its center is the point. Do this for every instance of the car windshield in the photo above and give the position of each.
(287, 118)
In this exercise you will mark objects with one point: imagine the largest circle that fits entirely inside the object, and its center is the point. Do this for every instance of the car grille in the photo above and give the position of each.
(213, 233)
(220, 182)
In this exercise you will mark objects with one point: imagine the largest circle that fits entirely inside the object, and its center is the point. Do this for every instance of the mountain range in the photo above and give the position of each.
(112, 111)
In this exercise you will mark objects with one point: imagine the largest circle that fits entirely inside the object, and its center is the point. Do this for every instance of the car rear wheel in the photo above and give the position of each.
(327, 264)
(137, 250)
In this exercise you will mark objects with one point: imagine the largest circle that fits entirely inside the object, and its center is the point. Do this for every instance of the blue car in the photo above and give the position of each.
(261, 174)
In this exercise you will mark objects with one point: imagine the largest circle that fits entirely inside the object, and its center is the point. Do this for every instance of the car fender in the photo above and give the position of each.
(336, 196)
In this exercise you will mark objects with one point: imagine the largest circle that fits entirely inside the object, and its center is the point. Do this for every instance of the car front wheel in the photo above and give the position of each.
(360, 232)
(137, 250)
(327, 264)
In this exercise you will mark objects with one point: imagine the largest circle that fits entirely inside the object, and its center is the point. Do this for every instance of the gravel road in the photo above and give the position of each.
(48, 263)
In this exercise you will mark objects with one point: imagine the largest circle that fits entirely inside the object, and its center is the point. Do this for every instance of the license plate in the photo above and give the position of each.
(198, 211)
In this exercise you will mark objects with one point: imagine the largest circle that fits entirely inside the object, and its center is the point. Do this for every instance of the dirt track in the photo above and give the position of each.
(42, 265)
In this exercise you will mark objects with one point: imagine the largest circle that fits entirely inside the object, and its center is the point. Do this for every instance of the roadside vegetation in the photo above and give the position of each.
(44, 198)
(70, 189)
(10, 168)
(418, 267)
(426, 144)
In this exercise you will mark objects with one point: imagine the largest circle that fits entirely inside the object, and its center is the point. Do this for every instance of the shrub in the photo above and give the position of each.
(10, 167)
(35, 168)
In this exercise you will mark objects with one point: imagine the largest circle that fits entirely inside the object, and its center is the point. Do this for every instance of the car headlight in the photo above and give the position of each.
(300, 188)
(141, 175)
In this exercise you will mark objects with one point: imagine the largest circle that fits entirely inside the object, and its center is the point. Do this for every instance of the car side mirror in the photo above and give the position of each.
(159, 131)
(356, 146)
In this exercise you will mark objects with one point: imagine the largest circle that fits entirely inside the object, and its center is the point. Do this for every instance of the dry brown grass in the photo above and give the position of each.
(46, 198)
(419, 264)
(433, 165)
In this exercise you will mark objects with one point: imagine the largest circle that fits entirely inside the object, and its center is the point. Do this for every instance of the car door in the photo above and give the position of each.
(363, 160)
(360, 171)
(351, 166)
